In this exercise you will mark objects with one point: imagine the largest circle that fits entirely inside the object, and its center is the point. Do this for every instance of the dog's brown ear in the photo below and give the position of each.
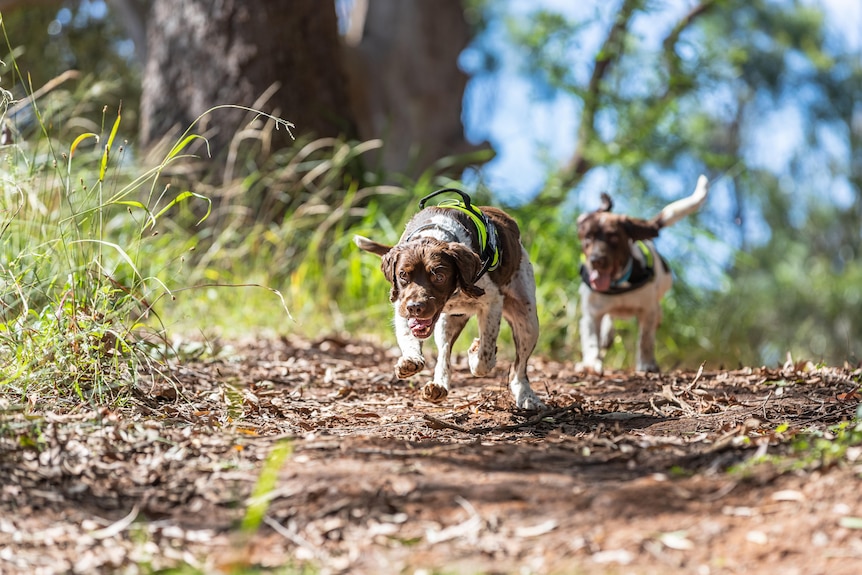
(389, 266)
(607, 203)
(638, 229)
(371, 246)
(606, 206)
(467, 266)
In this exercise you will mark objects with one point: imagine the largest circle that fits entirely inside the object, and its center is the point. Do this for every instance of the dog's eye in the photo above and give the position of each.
(438, 277)
(403, 277)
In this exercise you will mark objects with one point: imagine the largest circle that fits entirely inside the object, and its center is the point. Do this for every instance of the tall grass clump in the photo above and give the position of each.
(79, 255)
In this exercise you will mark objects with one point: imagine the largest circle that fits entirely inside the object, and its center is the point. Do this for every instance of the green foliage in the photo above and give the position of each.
(825, 449)
(694, 101)
(810, 450)
(78, 271)
(548, 39)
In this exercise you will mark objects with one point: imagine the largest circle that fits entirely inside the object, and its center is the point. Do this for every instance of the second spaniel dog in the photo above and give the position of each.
(454, 261)
(624, 276)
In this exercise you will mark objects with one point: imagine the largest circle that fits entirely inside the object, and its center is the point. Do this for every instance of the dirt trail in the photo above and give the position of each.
(625, 473)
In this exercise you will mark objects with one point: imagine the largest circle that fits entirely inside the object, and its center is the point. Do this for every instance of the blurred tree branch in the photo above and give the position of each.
(132, 14)
(609, 54)
(671, 57)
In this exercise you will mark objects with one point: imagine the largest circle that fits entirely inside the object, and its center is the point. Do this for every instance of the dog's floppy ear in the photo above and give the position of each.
(607, 203)
(389, 266)
(638, 229)
(388, 263)
(606, 206)
(371, 246)
(467, 266)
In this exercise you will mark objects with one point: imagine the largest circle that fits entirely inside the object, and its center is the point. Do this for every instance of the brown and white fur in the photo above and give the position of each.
(432, 270)
(608, 242)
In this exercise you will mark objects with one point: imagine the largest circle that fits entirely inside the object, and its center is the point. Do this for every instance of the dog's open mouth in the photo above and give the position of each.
(600, 280)
(422, 328)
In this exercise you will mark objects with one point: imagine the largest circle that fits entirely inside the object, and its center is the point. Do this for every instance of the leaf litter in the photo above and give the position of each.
(650, 473)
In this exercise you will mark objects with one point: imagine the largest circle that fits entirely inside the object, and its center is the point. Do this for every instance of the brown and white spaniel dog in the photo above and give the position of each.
(452, 263)
(624, 276)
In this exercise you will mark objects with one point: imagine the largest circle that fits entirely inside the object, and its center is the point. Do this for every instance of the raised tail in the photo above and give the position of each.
(677, 210)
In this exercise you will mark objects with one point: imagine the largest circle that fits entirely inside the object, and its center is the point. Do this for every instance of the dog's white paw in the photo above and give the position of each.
(525, 397)
(594, 367)
(409, 366)
(433, 392)
(529, 401)
(482, 361)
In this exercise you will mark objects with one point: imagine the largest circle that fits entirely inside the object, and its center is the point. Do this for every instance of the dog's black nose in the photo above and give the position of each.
(598, 259)
(415, 308)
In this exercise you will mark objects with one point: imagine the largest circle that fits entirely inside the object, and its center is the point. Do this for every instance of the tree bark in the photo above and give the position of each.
(202, 54)
(406, 86)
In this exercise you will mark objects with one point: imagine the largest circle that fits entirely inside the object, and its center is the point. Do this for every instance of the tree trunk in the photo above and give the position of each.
(406, 86)
(201, 54)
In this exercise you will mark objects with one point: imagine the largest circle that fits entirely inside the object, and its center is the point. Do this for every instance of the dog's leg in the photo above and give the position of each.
(411, 361)
(519, 309)
(647, 326)
(446, 331)
(591, 327)
(482, 355)
(607, 333)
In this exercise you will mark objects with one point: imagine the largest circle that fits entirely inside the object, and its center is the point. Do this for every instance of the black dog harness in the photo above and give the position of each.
(637, 274)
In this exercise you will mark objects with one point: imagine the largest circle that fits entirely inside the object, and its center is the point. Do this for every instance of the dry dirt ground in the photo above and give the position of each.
(625, 474)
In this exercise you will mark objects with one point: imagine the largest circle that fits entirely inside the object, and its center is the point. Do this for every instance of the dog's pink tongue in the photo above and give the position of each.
(416, 323)
(600, 281)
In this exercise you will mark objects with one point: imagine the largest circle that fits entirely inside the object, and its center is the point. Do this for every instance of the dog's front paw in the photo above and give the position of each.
(433, 392)
(408, 366)
(528, 400)
(649, 367)
(482, 359)
(594, 367)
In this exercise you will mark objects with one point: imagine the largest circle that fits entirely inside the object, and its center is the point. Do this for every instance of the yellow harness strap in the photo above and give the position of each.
(647, 254)
(481, 229)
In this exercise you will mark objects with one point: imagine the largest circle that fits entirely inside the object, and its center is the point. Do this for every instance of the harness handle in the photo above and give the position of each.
(464, 197)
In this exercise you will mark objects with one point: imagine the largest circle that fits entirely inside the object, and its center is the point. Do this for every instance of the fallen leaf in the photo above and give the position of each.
(620, 556)
(536, 530)
(788, 495)
(676, 540)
